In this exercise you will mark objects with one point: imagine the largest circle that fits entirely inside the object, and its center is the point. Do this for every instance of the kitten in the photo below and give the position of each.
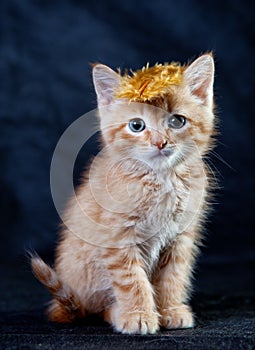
(130, 253)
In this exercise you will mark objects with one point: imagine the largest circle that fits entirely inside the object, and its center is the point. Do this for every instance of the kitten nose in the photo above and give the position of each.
(161, 144)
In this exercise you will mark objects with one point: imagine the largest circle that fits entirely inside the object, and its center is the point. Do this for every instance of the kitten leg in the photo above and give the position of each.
(172, 282)
(134, 310)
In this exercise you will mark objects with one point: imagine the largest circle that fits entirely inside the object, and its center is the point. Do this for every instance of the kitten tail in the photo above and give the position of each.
(66, 305)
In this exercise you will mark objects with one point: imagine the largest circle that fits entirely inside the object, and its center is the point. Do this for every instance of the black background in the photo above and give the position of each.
(45, 78)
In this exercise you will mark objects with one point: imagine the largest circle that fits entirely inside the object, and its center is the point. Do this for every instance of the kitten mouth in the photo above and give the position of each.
(166, 152)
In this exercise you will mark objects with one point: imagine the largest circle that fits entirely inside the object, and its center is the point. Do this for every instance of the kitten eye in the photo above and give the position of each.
(136, 125)
(176, 121)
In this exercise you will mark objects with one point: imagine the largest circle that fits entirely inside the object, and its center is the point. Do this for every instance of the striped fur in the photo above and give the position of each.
(129, 254)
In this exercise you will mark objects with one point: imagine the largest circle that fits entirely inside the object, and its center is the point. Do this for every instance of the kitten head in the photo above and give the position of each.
(173, 122)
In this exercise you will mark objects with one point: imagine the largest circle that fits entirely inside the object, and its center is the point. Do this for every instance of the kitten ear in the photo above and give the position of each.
(199, 76)
(105, 82)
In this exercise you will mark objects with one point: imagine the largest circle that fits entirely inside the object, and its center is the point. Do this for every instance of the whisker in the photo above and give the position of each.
(216, 181)
(223, 144)
(216, 155)
(212, 167)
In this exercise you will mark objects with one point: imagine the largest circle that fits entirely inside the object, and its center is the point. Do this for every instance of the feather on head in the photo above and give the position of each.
(149, 82)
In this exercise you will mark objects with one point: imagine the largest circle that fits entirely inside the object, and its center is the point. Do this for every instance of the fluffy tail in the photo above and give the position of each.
(66, 305)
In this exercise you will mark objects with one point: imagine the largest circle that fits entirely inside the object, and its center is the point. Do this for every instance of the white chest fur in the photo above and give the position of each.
(160, 223)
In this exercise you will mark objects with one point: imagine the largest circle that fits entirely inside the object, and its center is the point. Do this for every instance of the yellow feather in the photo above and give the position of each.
(149, 82)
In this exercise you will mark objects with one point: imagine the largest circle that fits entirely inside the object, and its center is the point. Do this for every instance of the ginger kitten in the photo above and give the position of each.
(127, 251)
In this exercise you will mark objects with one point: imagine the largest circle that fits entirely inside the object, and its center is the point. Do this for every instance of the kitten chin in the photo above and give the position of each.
(130, 237)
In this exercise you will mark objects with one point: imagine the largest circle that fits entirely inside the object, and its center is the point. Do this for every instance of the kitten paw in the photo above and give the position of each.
(137, 323)
(177, 317)
(133, 322)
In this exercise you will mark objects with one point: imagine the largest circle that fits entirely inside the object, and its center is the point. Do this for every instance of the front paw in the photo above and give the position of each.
(137, 323)
(132, 322)
(179, 316)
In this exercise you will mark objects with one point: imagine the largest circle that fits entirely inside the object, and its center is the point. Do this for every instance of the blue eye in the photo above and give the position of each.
(176, 121)
(136, 125)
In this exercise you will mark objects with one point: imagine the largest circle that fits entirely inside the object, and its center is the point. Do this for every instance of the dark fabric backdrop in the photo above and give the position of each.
(45, 77)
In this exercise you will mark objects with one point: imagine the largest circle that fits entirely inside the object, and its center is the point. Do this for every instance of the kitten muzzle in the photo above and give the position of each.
(166, 151)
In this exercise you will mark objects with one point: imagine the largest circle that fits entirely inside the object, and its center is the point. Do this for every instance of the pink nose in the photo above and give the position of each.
(161, 144)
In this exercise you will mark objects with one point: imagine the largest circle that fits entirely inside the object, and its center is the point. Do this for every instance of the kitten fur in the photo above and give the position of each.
(131, 258)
